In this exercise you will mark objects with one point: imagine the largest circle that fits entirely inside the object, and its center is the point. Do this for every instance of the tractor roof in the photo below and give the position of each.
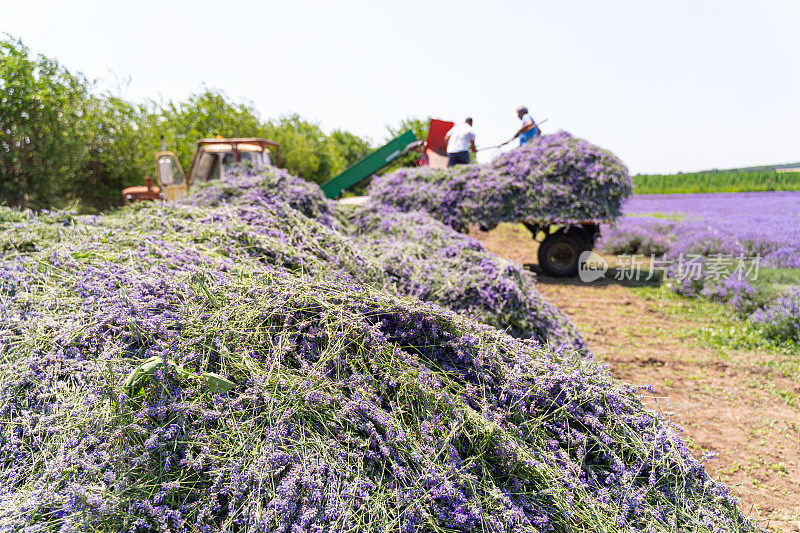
(236, 140)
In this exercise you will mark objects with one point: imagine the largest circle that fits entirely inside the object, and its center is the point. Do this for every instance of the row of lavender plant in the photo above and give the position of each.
(721, 225)
(555, 178)
(188, 368)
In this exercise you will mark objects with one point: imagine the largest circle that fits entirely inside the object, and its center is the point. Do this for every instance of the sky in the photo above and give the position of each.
(667, 86)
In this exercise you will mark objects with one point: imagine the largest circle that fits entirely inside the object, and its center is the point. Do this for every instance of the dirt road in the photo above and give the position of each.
(736, 403)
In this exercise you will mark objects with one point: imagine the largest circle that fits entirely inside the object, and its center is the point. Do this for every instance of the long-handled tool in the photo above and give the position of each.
(508, 141)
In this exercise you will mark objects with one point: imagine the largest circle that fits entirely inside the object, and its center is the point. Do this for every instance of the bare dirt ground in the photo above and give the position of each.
(736, 403)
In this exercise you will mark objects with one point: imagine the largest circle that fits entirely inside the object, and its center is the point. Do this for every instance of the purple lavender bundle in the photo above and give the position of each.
(555, 178)
(256, 187)
(427, 259)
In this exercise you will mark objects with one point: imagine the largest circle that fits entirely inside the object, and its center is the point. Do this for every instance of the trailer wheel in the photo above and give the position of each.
(559, 254)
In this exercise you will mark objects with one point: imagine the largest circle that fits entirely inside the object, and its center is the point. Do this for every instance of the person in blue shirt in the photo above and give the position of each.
(529, 130)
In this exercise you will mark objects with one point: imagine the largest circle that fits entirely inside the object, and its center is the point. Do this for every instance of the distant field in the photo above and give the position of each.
(717, 181)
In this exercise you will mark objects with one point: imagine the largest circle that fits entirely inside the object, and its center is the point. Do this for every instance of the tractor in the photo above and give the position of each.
(212, 159)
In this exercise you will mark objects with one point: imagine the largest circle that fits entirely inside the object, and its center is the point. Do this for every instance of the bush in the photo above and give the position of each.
(631, 238)
(781, 319)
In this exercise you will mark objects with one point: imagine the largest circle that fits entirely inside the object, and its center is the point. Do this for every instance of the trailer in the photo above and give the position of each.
(561, 244)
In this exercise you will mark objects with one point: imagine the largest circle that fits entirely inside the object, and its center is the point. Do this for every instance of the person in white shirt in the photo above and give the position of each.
(460, 140)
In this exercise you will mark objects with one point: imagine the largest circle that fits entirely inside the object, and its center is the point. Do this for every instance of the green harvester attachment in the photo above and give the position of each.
(367, 166)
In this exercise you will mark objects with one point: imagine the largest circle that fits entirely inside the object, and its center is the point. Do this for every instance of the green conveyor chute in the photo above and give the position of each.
(367, 166)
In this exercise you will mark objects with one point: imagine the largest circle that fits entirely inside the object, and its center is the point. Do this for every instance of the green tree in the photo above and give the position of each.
(59, 142)
(205, 114)
(42, 105)
(349, 146)
(305, 149)
(418, 125)
(116, 154)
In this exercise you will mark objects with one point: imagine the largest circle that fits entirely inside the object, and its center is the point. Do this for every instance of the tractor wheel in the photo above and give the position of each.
(559, 254)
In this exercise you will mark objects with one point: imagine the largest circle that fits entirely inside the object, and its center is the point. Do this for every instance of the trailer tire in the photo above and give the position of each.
(559, 254)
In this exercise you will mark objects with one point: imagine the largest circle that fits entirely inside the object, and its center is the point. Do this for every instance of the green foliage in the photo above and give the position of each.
(307, 152)
(781, 278)
(61, 143)
(202, 115)
(418, 125)
(42, 106)
(351, 147)
(139, 376)
(115, 154)
(716, 181)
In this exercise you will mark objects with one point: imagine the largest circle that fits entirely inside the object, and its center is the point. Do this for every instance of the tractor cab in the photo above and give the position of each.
(216, 157)
(212, 159)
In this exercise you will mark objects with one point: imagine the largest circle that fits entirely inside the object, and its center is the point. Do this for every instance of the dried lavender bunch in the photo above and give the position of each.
(555, 178)
(427, 259)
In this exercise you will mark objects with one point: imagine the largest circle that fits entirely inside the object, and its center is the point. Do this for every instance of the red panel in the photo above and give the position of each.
(436, 132)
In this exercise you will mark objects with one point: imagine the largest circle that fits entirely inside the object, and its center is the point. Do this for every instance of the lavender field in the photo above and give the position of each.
(755, 223)
(762, 225)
